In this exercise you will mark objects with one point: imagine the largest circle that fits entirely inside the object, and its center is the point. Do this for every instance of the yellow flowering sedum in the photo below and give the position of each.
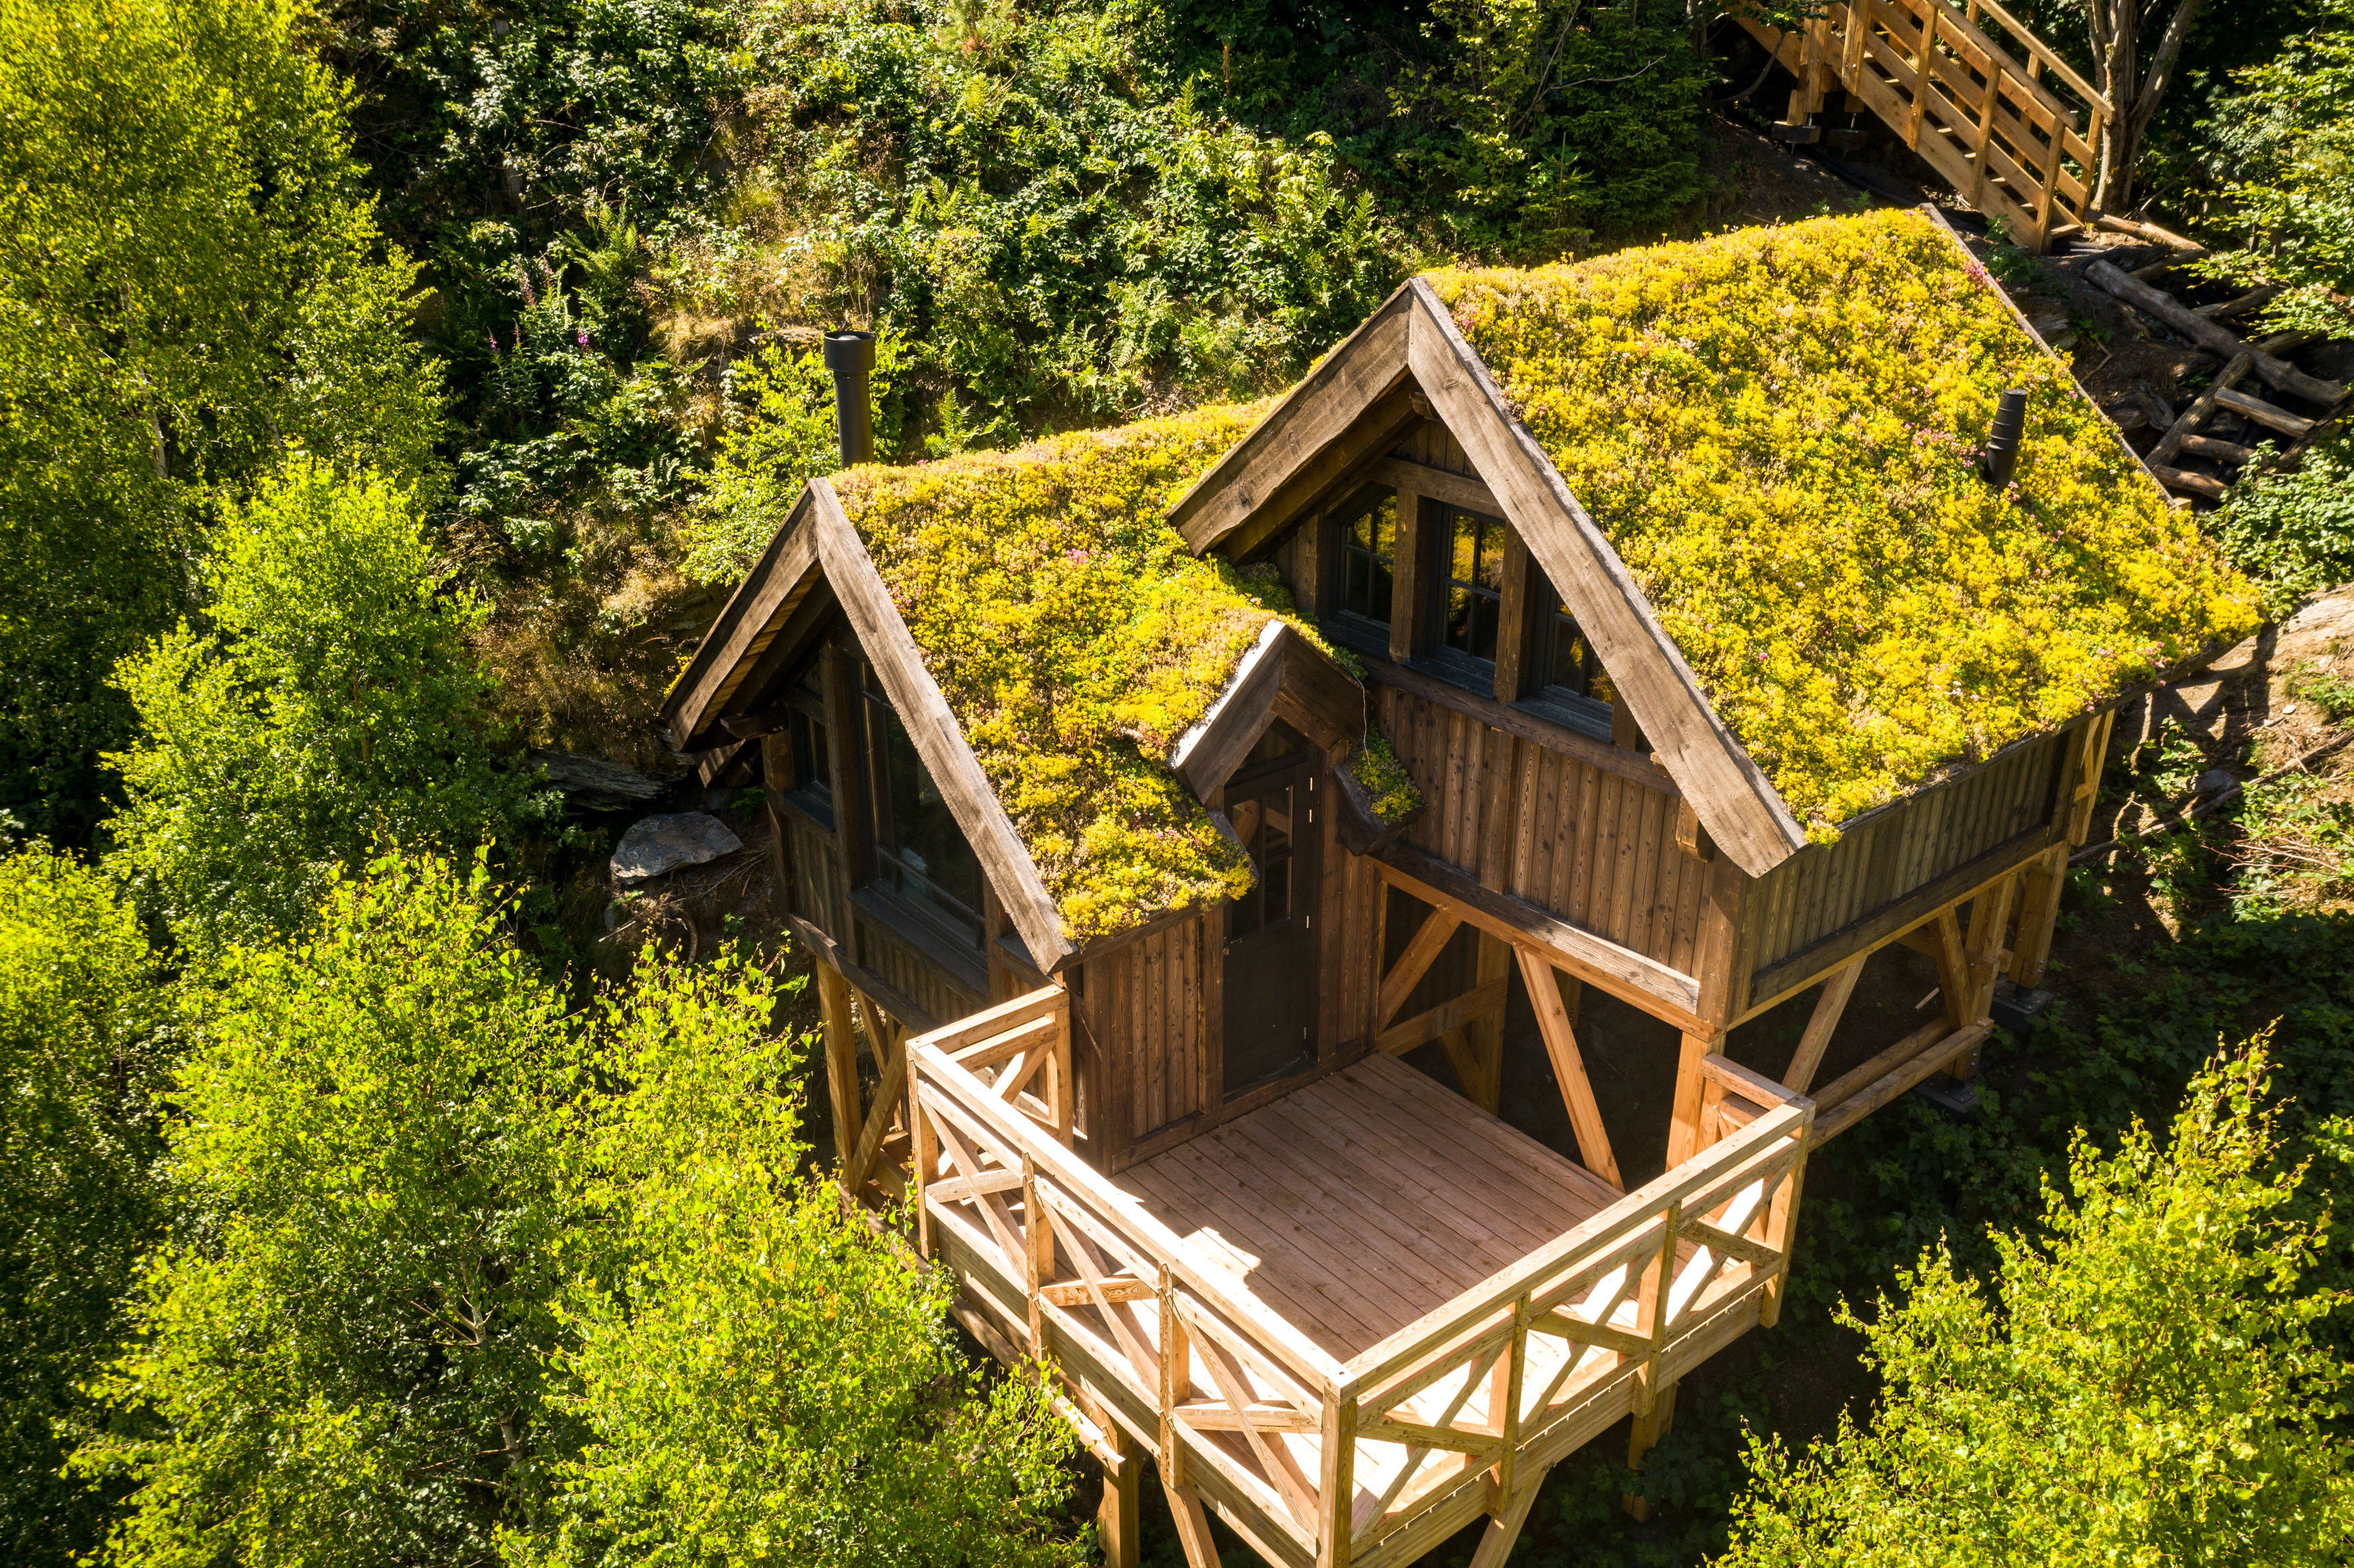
(1076, 639)
(1777, 429)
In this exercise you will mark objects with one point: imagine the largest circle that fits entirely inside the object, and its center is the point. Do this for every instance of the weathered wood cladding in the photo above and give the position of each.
(1588, 844)
(921, 979)
(1145, 1015)
(1826, 889)
(821, 889)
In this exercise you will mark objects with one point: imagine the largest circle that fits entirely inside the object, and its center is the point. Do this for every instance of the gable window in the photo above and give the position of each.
(1569, 682)
(810, 739)
(1369, 561)
(1474, 587)
(920, 853)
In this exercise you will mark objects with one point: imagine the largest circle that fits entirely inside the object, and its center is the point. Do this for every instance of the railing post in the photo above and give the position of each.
(1652, 1308)
(1059, 1084)
(1781, 1216)
(1337, 1481)
(1176, 1379)
(1504, 1399)
(924, 1141)
(1037, 1254)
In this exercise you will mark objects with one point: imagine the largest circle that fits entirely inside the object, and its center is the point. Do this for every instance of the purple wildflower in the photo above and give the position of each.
(581, 337)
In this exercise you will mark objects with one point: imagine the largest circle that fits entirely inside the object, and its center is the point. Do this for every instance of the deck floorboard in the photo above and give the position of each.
(1365, 1200)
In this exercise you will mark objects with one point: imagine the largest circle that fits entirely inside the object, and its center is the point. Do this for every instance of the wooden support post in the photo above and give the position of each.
(1037, 1258)
(1781, 1216)
(890, 1042)
(1505, 1524)
(1486, 1036)
(1118, 1525)
(1989, 920)
(1193, 1525)
(1809, 1058)
(1686, 1137)
(2088, 778)
(1953, 966)
(2039, 916)
(1649, 1427)
(925, 1141)
(841, 1058)
(1553, 1022)
(1337, 1484)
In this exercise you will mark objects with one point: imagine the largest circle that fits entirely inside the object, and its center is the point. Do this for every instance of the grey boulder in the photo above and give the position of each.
(656, 844)
(593, 783)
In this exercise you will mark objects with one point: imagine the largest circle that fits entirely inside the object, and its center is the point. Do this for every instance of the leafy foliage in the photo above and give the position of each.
(1859, 604)
(82, 1035)
(2143, 1383)
(329, 703)
(149, 369)
(812, 1404)
(2285, 146)
(338, 1353)
(2291, 528)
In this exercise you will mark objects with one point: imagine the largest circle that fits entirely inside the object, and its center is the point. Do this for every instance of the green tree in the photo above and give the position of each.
(812, 1405)
(2144, 1382)
(338, 1354)
(328, 701)
(80, 1054)
(190, 276)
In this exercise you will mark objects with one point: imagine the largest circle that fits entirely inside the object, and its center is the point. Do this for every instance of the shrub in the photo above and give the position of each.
(2142, 1381)
(2292, 529)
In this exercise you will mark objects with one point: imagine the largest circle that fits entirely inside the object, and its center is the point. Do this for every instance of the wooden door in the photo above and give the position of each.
(1270, 956)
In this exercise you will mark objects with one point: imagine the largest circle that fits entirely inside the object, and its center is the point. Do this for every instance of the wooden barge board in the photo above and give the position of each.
(1359, 1203)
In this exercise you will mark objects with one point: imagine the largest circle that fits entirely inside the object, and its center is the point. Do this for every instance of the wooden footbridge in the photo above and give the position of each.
(2016, 137)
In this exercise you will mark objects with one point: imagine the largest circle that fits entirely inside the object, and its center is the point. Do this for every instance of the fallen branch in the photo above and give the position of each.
(2209, 335)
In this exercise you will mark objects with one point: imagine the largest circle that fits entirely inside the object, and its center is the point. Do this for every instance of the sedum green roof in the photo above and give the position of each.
(1777, 429)
(1077, 638)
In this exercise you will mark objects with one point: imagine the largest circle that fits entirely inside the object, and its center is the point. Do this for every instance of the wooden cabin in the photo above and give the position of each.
(1085, 768)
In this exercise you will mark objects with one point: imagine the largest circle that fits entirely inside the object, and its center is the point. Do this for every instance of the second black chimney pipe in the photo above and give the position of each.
(2001, 457)
(850, 355)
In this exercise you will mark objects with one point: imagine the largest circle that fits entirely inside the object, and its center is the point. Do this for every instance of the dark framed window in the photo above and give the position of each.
(1368, 559)
(1568, 684)
(919, 851)
(811, 741)
(1474, 586)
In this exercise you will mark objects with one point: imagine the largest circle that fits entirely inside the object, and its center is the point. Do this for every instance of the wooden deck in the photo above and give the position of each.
(1355, 1319)
(1366, 1201)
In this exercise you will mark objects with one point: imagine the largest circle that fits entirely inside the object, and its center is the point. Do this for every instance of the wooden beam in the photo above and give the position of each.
(1837, 1118)
(1526, 726)
(1484, 1032)
(1645, 982)
(1953, 966)
(1809, 1057)
(1740, 810)
(1569, 1067)
(1429, 939)
(1504, 1525)
(2038, 916)
(1448, 1016)
(1118, 1524)
(776, 582)
(1193, 1525)
(1818, 960)
(891, 1052)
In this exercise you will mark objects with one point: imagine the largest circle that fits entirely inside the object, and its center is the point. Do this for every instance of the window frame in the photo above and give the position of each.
(1345, 625)
(923, 916)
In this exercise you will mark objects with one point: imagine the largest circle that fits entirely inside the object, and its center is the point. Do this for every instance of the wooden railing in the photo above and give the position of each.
(2018, 139)
(1373, 1459)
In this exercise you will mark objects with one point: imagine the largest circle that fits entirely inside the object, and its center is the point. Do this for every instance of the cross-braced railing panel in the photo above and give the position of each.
(1311, 1456)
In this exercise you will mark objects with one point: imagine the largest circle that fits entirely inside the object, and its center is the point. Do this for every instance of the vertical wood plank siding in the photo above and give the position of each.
(821, 892)
(1595, 849)
(1142, 1004)
(1825, 888)
(926, 983)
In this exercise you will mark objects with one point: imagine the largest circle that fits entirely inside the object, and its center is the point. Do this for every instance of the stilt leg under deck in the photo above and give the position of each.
(1505, 1524)
(1117, 1526)
(1192, 1526)
(840, 1059)
(1650, 1427)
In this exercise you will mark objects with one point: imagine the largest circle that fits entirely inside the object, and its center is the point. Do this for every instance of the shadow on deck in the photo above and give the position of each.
(1359, 1318)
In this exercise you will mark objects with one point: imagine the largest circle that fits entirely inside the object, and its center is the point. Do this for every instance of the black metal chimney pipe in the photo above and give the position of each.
(2002, 442)
(850, 355)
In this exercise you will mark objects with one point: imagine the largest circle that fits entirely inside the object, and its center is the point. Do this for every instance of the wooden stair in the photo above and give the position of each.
(2016, 139)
